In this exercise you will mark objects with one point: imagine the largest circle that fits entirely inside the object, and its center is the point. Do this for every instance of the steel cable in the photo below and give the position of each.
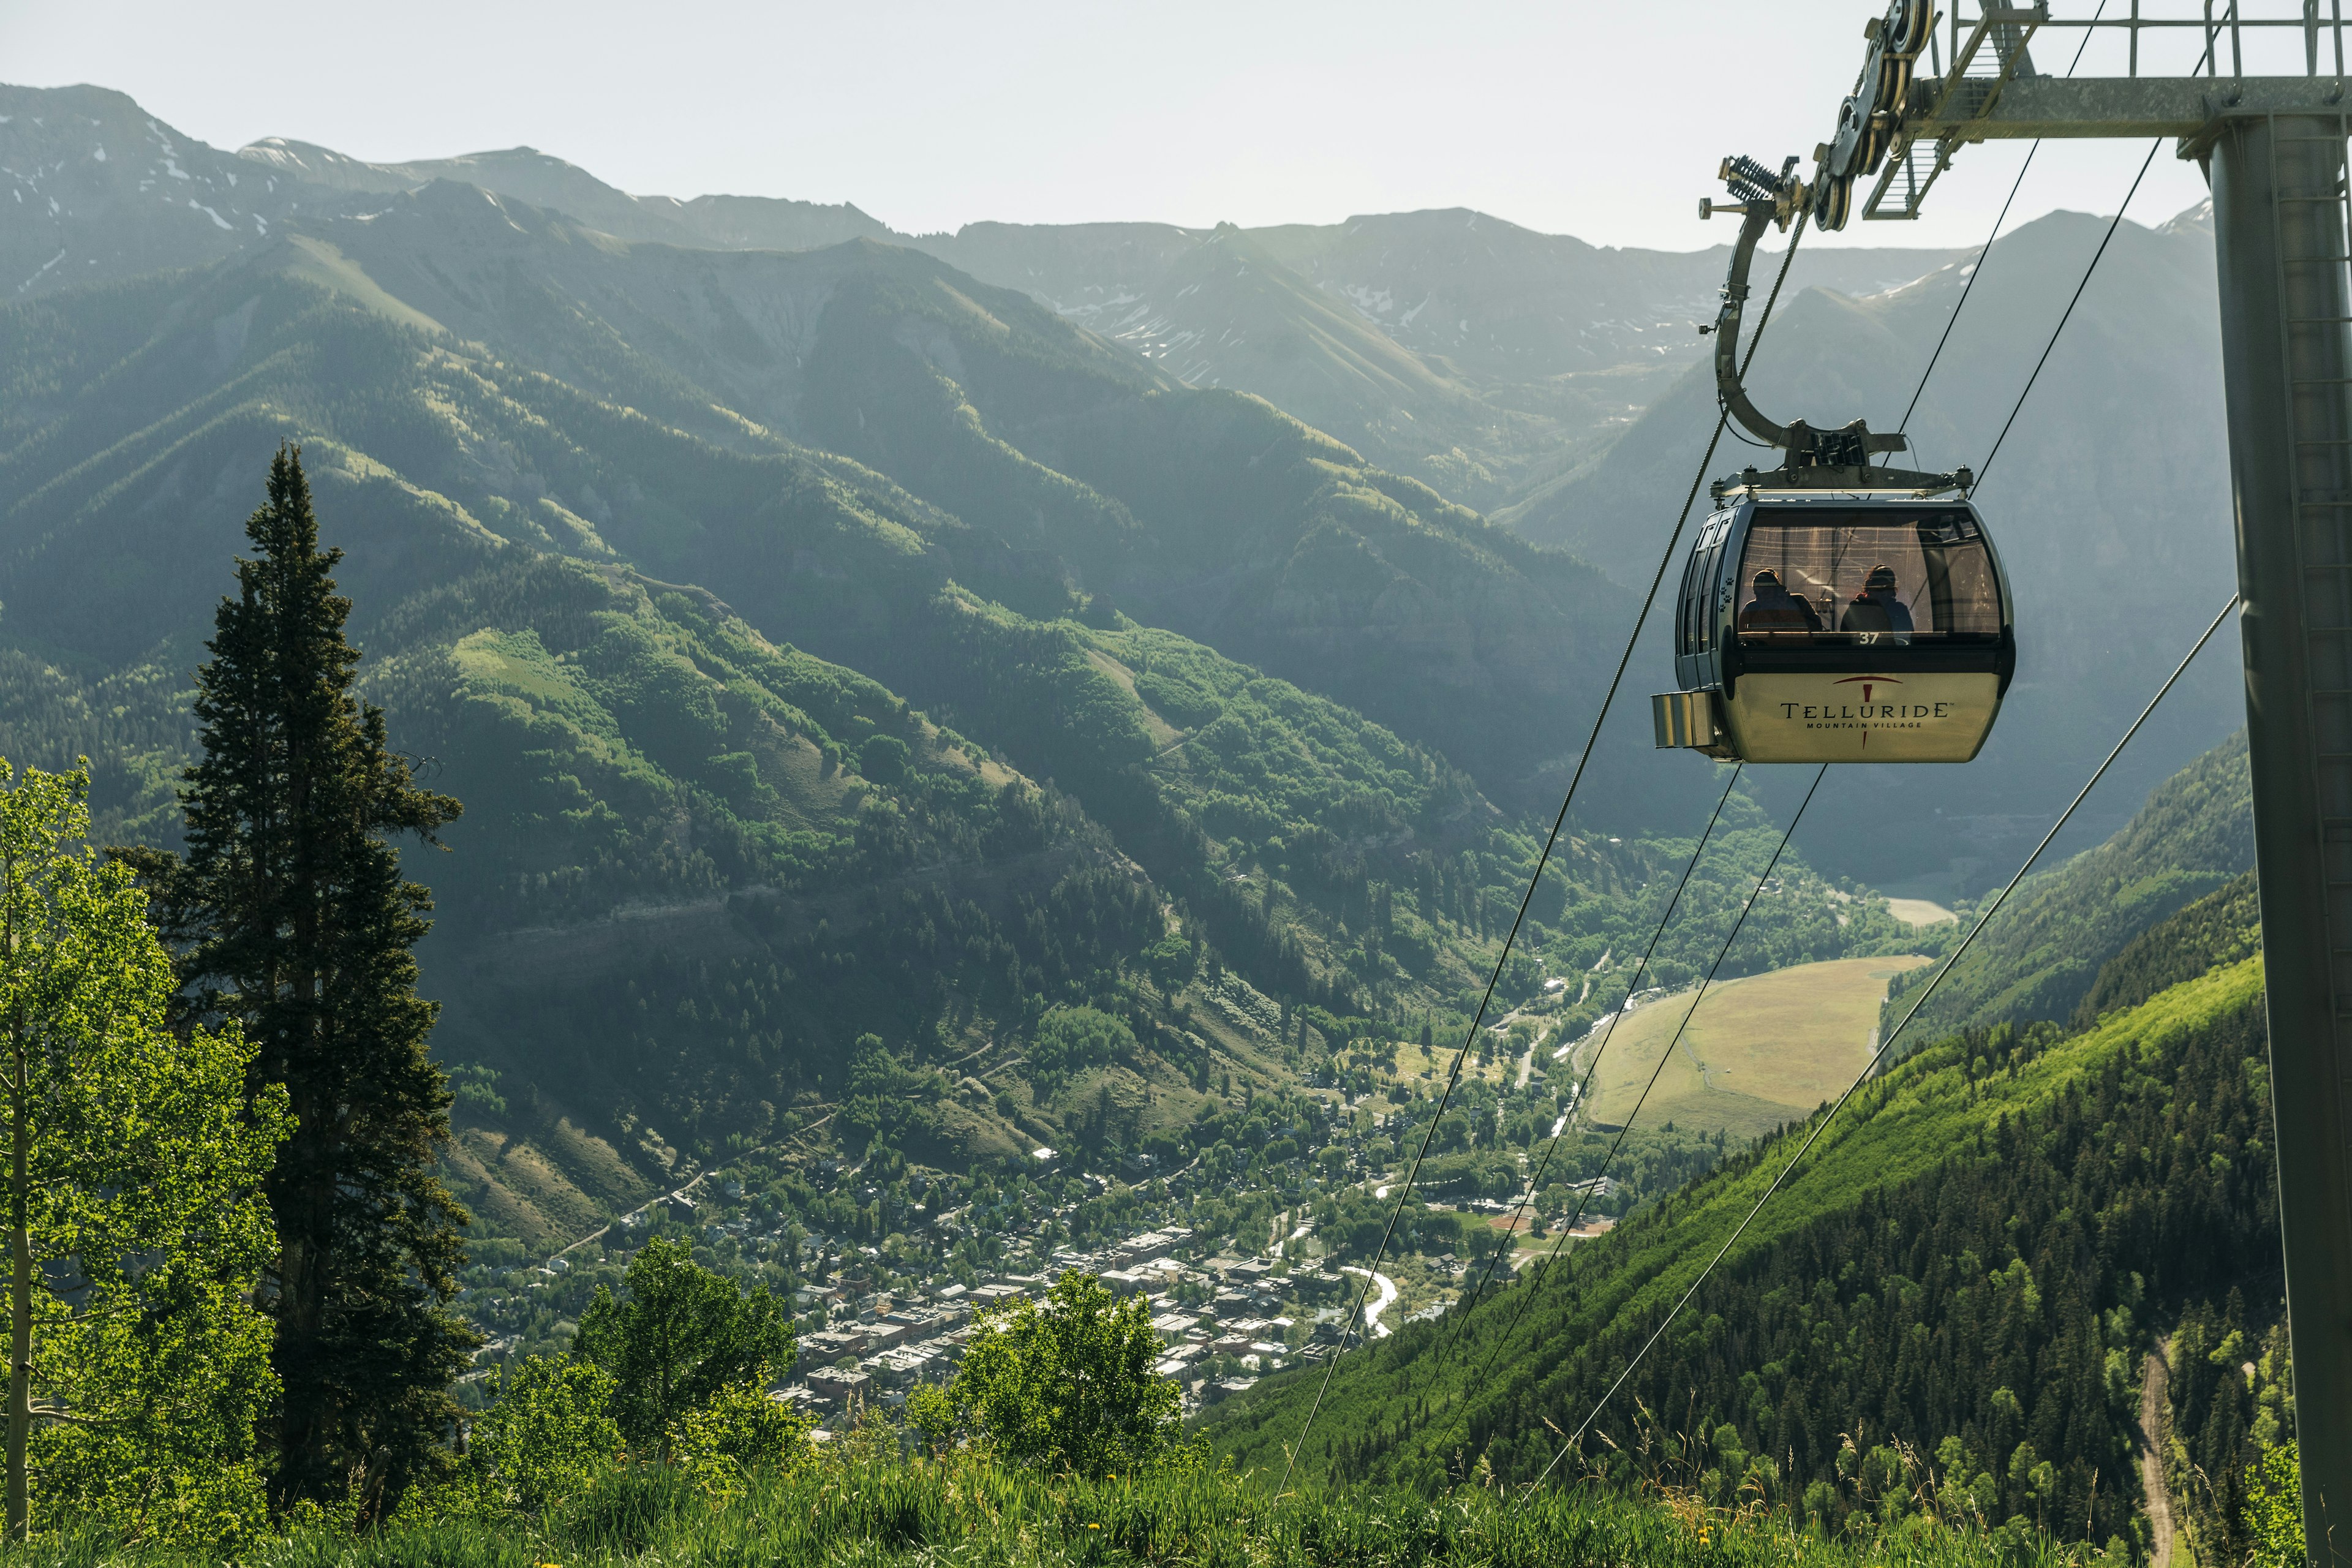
(1663, 1056)
(2113, 224)
(1592, 740)
(1462, 1310)
(1584, 1086)
(1878, 1056)
(1985, 250)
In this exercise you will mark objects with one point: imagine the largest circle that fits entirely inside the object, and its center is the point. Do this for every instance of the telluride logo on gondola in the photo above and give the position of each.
(1927, 716)
(1869, 711)
(1866, 710)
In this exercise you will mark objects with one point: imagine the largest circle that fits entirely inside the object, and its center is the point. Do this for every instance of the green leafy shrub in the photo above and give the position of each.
(546, 1437)
(883, 759)
(477, 1093)
(2274, 1509)
(931, 1412)
(139, 1160)
(1171, 962)
(736, 1434)
(1067, 1385)
(682, 1336)
(1069, 1040)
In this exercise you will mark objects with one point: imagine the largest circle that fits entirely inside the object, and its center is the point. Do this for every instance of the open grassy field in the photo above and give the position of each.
(1760, 1051)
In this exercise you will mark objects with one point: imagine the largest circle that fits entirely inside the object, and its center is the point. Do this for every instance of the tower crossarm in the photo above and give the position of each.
(2130, 106)
(1975, 80)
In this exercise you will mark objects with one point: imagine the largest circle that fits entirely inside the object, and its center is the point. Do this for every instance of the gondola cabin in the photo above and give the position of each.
(1839, 630)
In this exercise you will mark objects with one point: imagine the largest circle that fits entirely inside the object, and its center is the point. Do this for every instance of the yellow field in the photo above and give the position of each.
(1761, 1051)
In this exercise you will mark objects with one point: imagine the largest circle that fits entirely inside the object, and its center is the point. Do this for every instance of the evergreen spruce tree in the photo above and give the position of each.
(298, 923)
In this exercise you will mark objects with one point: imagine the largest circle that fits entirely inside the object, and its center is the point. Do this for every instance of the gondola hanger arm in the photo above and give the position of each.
(1815, 459)
(1765, 199)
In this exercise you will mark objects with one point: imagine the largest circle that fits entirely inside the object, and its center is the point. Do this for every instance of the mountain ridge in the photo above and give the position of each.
(1477, 424)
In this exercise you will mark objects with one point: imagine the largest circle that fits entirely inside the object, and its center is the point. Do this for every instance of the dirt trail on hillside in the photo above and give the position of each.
(2155, 1398)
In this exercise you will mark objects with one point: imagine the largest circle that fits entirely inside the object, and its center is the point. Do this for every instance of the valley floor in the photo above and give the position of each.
(1759, 1052)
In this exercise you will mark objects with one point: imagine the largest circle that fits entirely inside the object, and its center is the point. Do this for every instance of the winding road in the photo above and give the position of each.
(1387, 1299)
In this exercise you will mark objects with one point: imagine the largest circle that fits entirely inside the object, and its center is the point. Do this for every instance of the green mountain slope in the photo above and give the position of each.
(657, 779)
(1205, 511)
(1966, 1268)
(663, 805)
(655, 769)
(631, 754)
(2041, 955)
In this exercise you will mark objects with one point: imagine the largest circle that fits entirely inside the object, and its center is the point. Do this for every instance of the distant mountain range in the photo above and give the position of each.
(1554, 384)
(1470, 353)
(1551, 383)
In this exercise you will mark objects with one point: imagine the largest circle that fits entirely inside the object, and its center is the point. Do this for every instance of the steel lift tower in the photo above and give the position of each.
(2272, 147)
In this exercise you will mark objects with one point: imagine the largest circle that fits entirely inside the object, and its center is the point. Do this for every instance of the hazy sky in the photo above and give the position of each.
(1604, 121)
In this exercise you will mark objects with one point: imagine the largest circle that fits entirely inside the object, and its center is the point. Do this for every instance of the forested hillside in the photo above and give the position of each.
(2044, 957)
(1965, 1277)
(766, 608)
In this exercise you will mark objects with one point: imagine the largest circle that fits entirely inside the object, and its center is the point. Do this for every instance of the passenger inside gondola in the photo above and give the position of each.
(1774, 609)
(1876, 609)
(1822, 579)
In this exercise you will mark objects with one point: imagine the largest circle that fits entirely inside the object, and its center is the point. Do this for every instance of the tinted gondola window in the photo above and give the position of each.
(1861, 577)
(1695, 623)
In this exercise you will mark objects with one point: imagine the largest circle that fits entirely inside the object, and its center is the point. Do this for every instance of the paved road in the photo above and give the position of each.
(1527, 1062)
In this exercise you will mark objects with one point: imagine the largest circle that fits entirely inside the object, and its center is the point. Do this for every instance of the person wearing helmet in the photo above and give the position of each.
(1774, 609)
(1876, 609)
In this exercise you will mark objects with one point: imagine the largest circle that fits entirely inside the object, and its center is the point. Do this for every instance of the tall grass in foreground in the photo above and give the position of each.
(885, 1511)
